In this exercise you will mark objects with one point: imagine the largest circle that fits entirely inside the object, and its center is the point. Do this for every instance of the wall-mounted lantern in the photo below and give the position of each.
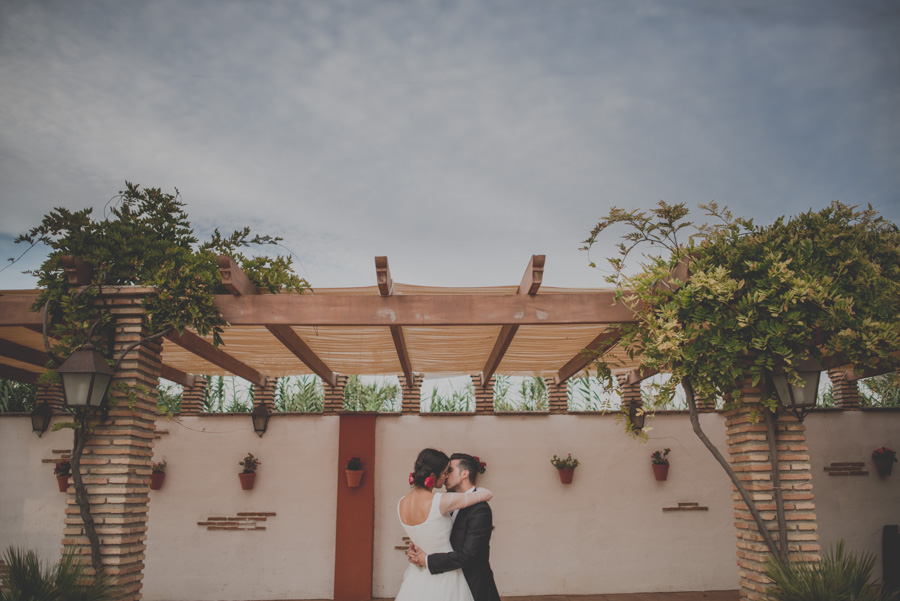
(85, 378)
(799, 398)
(260, 415)
(40, 418)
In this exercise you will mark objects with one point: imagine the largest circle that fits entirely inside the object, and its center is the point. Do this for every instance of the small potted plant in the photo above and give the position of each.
(660, 462)
(157, 475)
(566, 467)
(884, 459)
(63, 470)
(248, 476)
(354, 472)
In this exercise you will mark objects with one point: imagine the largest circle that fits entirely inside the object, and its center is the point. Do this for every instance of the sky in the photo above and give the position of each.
(457, 138)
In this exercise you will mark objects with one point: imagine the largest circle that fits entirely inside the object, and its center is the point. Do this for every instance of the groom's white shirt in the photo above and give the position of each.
(453, 515)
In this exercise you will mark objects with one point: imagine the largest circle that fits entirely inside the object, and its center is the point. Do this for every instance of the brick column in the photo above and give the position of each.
(748, 451)
(846, 392)
(265, 394)
(52, 394)
(192, 396)
(559, 396)
(116, 459)
(705, 405)
(484, 397)
(631, 395)
(412, 395)
(334, 396)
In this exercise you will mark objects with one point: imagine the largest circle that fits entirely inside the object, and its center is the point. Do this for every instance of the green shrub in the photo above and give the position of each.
(839, 576)
(29, 579)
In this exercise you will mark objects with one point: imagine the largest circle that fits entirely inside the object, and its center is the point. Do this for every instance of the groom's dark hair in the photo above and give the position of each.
(467, 462)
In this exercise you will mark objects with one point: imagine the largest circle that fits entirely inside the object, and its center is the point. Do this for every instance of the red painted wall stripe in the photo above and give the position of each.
(355, 537)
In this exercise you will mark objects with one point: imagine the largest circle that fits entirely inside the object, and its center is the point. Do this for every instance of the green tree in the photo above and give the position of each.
(371, 396)
(145, 239)
(16, 396)
(822, 285)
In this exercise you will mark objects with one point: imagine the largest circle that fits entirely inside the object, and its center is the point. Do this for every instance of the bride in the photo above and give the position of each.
(425, 517)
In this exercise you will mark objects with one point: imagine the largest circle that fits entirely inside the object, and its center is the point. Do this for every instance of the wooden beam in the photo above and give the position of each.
(534, 275)
(239, 284)
(402, 354)
(639, 375)
(383, 275)
(200, 347)
(9, 372)
(78, 273)
(600, 344)
(504, 339)
(852, 375)
(386, 288)
(234, 277)
(176, 375)
(289, 338)
(424, 310)
(680, 272)
(531, 281)
(15, 310)
(23, 353)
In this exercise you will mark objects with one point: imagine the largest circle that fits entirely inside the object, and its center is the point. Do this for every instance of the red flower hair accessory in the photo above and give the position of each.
(429, 482)
(411, 481)
(482, 466)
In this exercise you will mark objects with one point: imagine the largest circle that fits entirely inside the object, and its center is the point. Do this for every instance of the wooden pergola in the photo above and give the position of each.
(387, 329)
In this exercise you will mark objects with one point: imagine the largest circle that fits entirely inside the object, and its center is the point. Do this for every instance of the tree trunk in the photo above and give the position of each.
(776, 484)
(81, 497)
(745, 495)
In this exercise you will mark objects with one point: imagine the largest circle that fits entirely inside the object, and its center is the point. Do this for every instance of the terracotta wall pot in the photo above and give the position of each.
(63, 483)
(566, 474)
(156, 481)
(247, 480)
(353, 477)
(661, 471)
(884, 465)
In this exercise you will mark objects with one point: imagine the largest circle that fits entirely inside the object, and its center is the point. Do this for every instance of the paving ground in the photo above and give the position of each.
(683, 596)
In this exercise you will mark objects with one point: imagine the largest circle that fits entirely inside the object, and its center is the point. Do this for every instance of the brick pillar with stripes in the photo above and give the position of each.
(116, 461)
(484, 397)
(52, 394)
(265, 394)
(846, 392)
(748, 452)
(632, 401)
(412, 395)
(192, 396)
(559, 396)
(334, 396)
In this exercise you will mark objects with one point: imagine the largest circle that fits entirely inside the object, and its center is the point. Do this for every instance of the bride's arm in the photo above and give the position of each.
(452, 501)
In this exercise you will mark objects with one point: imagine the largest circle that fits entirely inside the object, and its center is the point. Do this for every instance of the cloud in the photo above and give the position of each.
(458, 138)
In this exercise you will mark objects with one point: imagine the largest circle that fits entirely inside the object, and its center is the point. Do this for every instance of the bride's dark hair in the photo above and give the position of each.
(429, 461)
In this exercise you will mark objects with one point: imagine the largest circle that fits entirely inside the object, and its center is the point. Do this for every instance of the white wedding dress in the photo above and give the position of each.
(433, 536)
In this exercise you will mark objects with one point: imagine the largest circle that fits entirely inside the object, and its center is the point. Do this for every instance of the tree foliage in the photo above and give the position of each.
(145, 240)
(823, 285)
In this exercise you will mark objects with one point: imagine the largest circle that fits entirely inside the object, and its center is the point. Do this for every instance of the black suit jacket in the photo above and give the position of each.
(471, 542)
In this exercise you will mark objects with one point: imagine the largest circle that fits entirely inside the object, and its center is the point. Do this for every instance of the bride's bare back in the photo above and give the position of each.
(415, 507)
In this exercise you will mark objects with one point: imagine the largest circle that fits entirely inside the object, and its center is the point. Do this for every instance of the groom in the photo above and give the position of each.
(470, 536)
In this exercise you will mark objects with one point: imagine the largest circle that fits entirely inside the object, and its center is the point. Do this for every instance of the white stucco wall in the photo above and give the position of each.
(31, 506)
(293, 558)
(597, 535)
(855, 508)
